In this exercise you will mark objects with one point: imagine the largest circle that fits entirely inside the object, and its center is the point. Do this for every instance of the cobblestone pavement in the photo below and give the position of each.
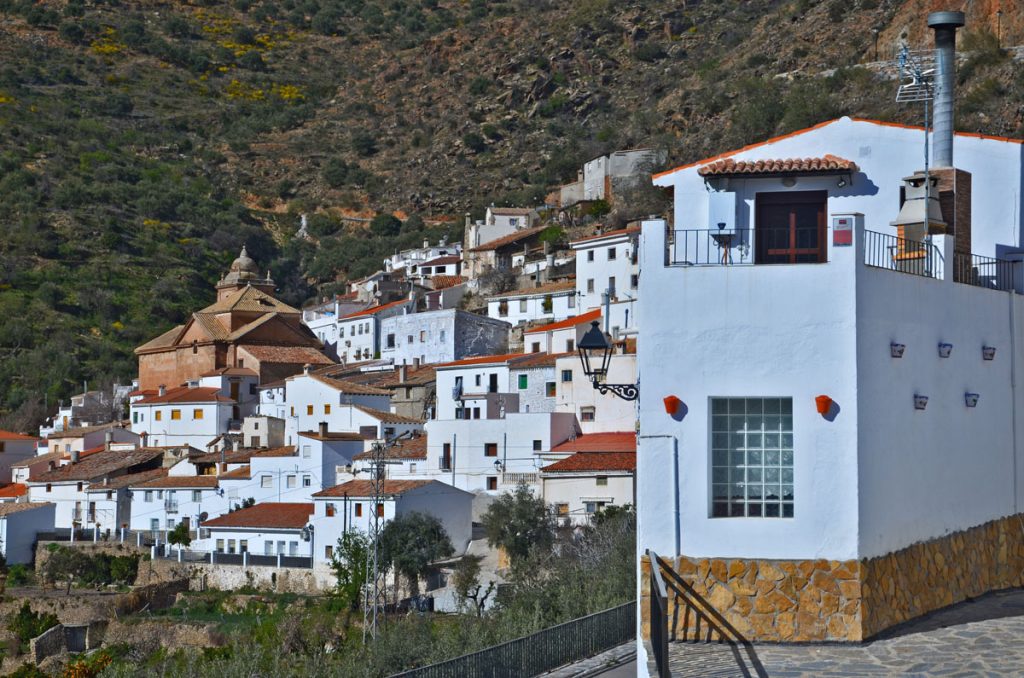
(976, 638)
(607, 664)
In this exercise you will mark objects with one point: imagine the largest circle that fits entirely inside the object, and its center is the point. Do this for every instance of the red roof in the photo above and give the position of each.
(240, 473)
(374, 309)
(184, 394)
(729, 166)
(609, 234)
(405, 448)
(10, 435)
(594, 461)
(13, 490)
(443, 282)
(483, 360)
(574, 321)
(287, 355)
(143, 392)
(509, 239)
(615, 441)
(180, 482)
(268, 515)
(443, 261)
(364, 488)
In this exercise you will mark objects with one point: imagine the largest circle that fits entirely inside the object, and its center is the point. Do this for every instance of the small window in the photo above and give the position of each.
(492, 482)
(327, 408)
(197, 495)
(502, 309)
(611, 285)
(79, 487)
(290, 482)
(412, 467)
(479, 379)
(535, 347)
(293, 410)
(634, 281)
(611, 254)
(175, 415)
(423, 336)
(159, 416)
(329, 552)
(309, 409)
(572, 300)
(135, 417)
(602, 481)
(148, 495)
(231, 545)
(359, 510)
(110, 495)
(195, 347)
(390, 341)
(243, 546)
(590, 255)
(587, 414)
(523, 381)
(307, 481)
(562, 509)
(307, 451)
(522, 305)
(476, 412)
(549, 389)
(570, 345)
(490, 449)
(220, 546)
(566, 376)
(329, 509)
(171, 524)
(442, 336)
(409, 339)
(538, 445)
(380, 510)
(590, 285)
(197, 413)
(266, 482)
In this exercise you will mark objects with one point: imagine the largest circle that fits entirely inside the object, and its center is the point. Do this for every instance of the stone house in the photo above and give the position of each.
(441, 336)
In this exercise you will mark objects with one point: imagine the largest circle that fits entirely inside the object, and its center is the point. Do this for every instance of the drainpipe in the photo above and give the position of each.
(453, 459)
(1013, 394)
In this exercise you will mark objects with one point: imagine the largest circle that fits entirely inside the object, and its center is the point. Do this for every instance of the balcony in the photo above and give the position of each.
(171, 506)
(763, 245)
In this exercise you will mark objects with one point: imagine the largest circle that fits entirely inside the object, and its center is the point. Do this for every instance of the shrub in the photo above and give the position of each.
(72, 31)
(252, 61)
(480, 85)
(364, 143)
(26, 624)
(650, 51)
(19, 575)
(385, 225)
(474, 142)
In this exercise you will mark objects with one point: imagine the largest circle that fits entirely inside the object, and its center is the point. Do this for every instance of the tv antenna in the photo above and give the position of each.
(917, 85)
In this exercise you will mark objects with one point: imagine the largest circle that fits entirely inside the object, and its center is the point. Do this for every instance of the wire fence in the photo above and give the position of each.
(542, 651)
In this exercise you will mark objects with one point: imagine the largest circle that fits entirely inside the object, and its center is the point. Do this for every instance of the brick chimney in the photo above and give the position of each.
(75, 456)
(108, 439)
(403, 373)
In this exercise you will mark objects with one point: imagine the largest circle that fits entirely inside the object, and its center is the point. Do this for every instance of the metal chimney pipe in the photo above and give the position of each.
(944, 24)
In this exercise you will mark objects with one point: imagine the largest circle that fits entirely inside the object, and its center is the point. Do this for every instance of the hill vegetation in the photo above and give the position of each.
(142, 142)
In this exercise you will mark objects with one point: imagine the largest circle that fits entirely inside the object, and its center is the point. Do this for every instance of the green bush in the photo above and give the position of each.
(19, 575)
(364, 143)
(385, 225)
(474, 142)
(26, 624)
(650, 51)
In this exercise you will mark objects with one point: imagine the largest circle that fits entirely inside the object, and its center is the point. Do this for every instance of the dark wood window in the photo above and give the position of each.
(446, 457)
(790, 227)
(490, 449)
(492, 483)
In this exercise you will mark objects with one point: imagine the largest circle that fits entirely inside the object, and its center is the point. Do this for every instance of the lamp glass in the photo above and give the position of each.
(595, 353)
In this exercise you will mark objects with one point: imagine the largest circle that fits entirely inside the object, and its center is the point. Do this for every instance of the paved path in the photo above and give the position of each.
(977, 638)
(618, 662)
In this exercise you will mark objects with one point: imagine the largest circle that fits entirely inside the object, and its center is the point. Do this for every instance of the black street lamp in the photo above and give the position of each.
(596, 355)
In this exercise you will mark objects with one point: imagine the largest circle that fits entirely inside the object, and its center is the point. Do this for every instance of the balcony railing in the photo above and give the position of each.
(988, 272)
(882, 250)
(171, 506)
(709, 247)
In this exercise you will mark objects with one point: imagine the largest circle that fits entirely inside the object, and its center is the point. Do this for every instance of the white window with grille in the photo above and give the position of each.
(752, 457)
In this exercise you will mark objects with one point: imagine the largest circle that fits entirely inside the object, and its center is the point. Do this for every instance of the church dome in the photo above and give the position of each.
(244, 266)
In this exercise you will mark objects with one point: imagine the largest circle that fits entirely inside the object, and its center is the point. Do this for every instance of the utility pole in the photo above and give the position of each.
(375, 593)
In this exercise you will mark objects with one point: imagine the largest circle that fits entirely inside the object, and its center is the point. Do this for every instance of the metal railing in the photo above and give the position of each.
(709, 247)
(659, 617)
(979, 271)
(171, 505)
(169, 552)
(890, 252)
(542, 651)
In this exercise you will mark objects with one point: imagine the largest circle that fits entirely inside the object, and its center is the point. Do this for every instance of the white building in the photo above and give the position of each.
(15, 448)
(158, 505)
(186, 415)
(607, 264)
(835, 399)
(595, 412)
(600, 472)
(19, 525)
(559, 337)
(411, 260)
(267, 529)
(607, 176)
(349, 506)
(263, 431)
(551, 302)
(88, 437)
(499, 222)
(359, 333)
(441, 336)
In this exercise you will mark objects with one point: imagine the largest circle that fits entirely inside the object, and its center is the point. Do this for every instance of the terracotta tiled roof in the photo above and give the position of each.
(729, 166)
(288, 355)
(241, 473)
(142, 392)
(99, 465)
(285, 451)
(54, 456)
(13, 490)
(512, 211)
(9, 507)
(347, 387)
(10, 435)
(82, 430)
(332, 435)
(609, 234)
(364, 488)
(231, 372)
(483, 360)
(443, 261)
(533, 360)
(249, 299)
(550, 288)
(390, 378)
(510, 239)
(407, 448)
(165, 340)
(594, 461)
(130, 480)
(180, 482)
(373, 310)
(283, 516)
(615, 441)
(212, 326)
(184, 394)
(387, 417)
(443, 282)
(574, 321)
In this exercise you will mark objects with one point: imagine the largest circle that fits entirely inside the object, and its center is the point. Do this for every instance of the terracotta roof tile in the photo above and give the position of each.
(731, 167)
(180, 482)
(443, 261)
(443, 282)
(387, 417)
(13, 490)
(130, 480)
(483, 360)
(101, 464)
(231, 372)
(614, 441)
(82, 430)
(54, 456)
(594, 461)
(271, 515)
(510, 239)
(165, 340)
(512, 211)
(588, 317)
(332, 435)
(373, 310)
(240, 473)
(9, 507)
(184, 394)
(10, 435)
(289, 355)
(364, 488)
(609, 234)
(347, 387)
(533, 360)
(406, 448)
(249, 299)
(550, 288)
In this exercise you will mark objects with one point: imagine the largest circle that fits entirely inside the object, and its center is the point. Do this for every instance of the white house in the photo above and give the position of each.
(14, 448)
(559, 337)
(88, 437)
(600, 472)
(187, 415)
(607, 176)
(410, 261)
(349, 506)
(19, 525)
(266, 529)
(607, 264)
(159, 504)
(499, 222)
(441, 336)
(550, 302)
(359, 332)
(826, 398)
(595, 412)
(407, 458)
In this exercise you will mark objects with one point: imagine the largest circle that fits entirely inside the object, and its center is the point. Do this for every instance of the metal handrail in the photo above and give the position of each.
(659, 616)
(920, 258)
(988, 272)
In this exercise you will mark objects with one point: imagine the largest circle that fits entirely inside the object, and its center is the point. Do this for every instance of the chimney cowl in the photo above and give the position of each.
(306, 368)
(944, 24)
(161, 389)
(75, 456)
(415, 363)
(403, 373)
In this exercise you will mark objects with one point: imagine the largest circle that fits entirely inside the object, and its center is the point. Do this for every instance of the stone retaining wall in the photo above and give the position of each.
(845, 601)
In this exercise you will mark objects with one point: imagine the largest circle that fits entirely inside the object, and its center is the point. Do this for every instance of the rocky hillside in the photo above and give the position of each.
(141, 142)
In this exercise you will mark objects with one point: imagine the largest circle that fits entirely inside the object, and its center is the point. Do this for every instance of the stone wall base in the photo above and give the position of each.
(829, 600)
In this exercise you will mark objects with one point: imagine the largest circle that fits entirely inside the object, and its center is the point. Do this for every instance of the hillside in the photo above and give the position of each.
(142, 142)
